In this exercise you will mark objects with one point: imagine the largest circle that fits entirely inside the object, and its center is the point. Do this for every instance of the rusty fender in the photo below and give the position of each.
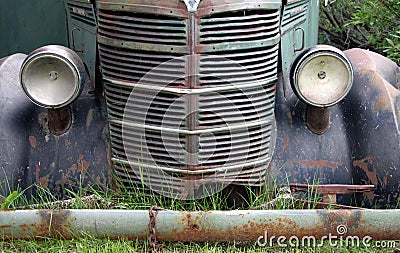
(362, 144)
(31, 154)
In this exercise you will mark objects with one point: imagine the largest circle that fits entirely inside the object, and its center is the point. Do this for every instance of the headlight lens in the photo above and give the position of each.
(52, 76)
(321, 76)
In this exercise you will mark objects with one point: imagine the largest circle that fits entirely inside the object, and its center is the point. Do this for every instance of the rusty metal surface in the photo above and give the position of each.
(317, 119)
(31, 154)
(199, 226)
(332, 188)
(59, 120)
(190, 93)
(330, 191)
(361, 145)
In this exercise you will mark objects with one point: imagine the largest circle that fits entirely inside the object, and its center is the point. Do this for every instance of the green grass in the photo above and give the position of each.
(90, 244)
(140, 199)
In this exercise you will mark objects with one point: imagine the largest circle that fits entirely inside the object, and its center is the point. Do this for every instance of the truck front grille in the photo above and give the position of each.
(246, 25)
(136, 27)
(190, 96)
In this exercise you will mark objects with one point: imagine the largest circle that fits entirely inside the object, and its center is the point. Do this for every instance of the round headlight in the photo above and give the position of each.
(321, 76)
(52, 76)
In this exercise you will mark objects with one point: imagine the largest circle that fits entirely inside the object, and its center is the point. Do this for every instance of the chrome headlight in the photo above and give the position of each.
(321, 76)
(52, 76)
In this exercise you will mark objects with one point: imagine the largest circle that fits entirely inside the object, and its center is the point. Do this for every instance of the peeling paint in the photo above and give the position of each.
(367, 165)
(320, 163)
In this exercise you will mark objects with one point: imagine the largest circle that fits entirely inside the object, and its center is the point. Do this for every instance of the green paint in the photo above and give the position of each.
(27, 25)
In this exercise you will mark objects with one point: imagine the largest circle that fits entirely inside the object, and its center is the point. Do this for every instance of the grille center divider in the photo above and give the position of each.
(190, 96)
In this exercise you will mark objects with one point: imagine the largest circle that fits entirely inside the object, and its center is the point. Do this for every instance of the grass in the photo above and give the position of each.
(140, 198)
(89, 245)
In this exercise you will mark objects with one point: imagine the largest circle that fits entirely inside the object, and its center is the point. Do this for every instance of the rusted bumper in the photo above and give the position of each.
(239, 225)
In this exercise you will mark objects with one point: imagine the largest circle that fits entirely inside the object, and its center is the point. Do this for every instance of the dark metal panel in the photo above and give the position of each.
(371, 113)
(27, 25)
(360, 147)
(30, 154)
(16, 117)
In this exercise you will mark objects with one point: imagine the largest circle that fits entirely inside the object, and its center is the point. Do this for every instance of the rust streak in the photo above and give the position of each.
(320, 163)
(37, 170)
(32, 141)
(286, 144)
(43, 181)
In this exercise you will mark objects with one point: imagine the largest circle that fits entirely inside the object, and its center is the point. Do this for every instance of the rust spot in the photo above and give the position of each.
(63, 181)
(83, 167)
(367, 165)
(289, 115)
(74, 168)
(54, 223)
(43, 181)
(24, 227)
(37, 171)
(195, 227)
(32, 141)
(43, 121)
(313, 163)
(3, 227)
(286, 144)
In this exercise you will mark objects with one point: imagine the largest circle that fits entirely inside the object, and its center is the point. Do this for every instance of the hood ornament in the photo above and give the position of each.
(192, 5)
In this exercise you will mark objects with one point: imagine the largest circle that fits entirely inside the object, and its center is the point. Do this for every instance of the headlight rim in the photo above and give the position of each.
(309, 54)
(68, 57)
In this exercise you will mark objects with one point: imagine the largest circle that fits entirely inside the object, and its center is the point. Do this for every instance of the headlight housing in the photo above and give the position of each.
(321, 76)
(53, 76)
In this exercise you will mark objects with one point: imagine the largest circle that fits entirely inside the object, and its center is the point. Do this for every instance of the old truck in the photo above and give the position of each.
(187, 97)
